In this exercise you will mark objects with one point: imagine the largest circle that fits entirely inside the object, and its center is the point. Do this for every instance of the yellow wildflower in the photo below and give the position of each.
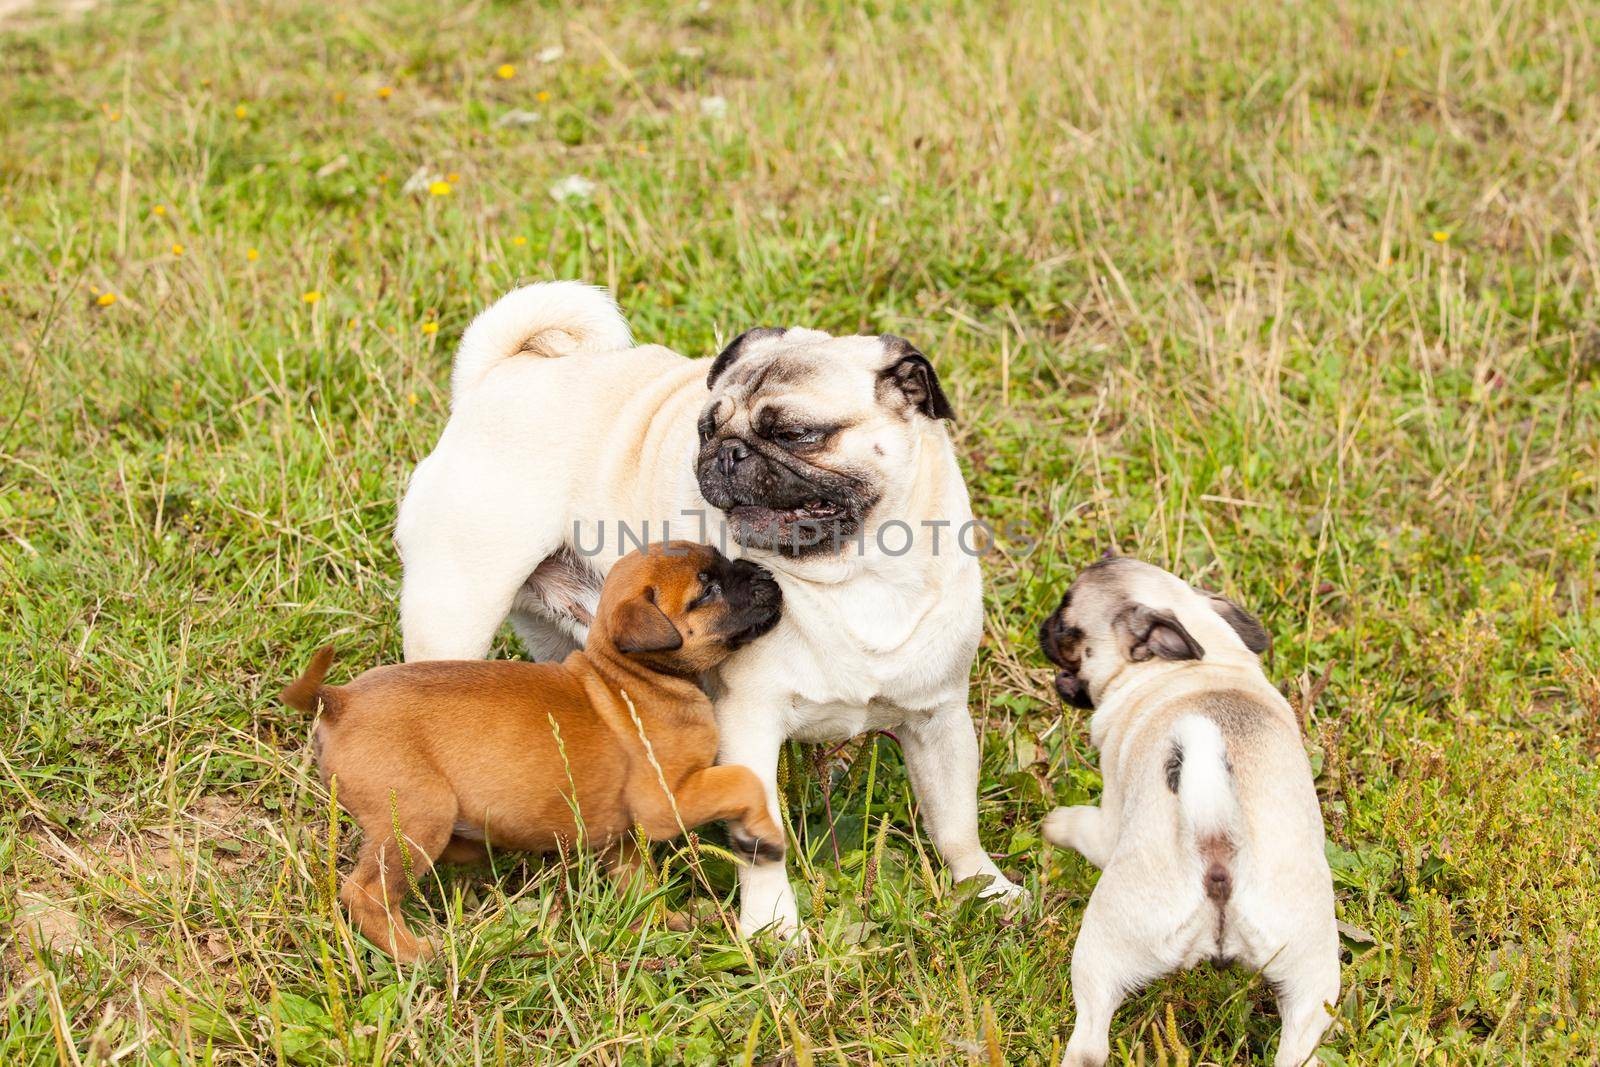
(430, 328)
(241, 112)
(106, 299)
(519, 240)
(338, 97)
(311, 296)
(542, 96)
(252, 254)
(159, 209)
(452, 177)
(439, 188)
(386, 92)
(411, 398)
(1441, 236)
(505, 72)
(177, 250)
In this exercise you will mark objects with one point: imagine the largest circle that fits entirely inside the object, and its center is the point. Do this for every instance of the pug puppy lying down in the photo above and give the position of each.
(1208, 830)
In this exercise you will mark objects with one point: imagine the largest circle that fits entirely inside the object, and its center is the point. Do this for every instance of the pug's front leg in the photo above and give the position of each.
(1084, 829)
(942, 761)
(751, 736)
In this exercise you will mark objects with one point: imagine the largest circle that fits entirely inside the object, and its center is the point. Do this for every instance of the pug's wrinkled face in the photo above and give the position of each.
(806, 434)
(1122, 611)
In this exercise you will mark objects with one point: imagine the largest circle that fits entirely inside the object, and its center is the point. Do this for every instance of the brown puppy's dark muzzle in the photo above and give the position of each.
(754, 600)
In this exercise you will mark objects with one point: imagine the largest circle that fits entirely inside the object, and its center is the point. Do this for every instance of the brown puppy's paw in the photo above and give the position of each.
(754, 849)
(409, 949)
(676, 921)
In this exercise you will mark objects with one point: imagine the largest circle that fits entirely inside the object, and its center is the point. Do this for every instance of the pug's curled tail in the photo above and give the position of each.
(539, 321)
(1208, 811)
(307, 693)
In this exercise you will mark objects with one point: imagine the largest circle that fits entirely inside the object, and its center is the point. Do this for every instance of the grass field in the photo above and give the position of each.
(1302, 300)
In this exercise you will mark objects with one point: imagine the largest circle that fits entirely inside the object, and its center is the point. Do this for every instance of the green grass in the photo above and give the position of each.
(1299, 299)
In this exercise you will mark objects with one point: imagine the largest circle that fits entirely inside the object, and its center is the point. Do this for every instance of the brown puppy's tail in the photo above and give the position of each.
(307, 693)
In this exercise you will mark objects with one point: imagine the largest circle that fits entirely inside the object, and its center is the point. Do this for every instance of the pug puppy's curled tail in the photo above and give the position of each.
(307, 693)
(540, 321)
(1208, 811)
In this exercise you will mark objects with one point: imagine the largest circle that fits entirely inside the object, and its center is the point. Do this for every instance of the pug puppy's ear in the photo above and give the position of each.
(640, 626)
(1246, 625)
(911, 375)
(737, 348)
(1147, 632)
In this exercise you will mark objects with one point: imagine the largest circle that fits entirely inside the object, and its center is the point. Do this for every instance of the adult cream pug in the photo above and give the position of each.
(823, 458)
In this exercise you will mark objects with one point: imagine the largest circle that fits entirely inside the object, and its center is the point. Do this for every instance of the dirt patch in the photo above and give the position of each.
(43, 926)
(212, 838)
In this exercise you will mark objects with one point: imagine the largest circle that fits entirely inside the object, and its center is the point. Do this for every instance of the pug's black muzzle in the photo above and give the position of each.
(1059, 643)
(754, 601)
(777, 502)
(1071, 690)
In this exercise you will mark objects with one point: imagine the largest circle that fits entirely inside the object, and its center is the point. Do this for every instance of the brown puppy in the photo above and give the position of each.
(452, 755)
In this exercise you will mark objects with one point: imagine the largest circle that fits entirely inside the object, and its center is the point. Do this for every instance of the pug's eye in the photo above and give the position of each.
(796, 435)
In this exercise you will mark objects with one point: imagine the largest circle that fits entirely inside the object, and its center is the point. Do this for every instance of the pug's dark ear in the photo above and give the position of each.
(640, 626)
(1145, 632)
(911, 375)
(736, 348)
(1246, 625)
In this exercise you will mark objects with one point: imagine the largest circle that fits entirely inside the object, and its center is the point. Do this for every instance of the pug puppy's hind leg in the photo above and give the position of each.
(1106, 967)
(1305, 976)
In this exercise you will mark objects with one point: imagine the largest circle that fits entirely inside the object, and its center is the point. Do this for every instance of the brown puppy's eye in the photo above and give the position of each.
(710, 589)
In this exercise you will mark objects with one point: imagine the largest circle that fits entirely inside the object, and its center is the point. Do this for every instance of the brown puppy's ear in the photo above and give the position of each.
(640, 626)
(1146, 632)
(911, 375)
(1246, 625)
